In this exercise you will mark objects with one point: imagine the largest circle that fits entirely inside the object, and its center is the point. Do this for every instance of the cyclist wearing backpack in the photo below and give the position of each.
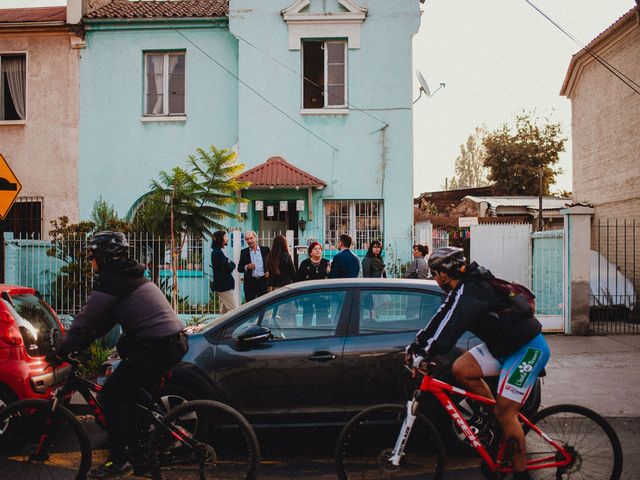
(152, 343)
(513, 347)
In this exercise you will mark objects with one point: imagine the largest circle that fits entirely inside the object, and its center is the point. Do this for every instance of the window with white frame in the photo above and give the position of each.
(164, 83)
(362, 219)
(13, 85)
(325, 74)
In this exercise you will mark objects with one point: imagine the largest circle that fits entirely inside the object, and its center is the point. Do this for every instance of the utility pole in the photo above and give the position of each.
(540, 222)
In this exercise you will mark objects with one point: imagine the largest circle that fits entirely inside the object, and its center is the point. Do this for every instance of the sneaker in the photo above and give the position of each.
(111, 470)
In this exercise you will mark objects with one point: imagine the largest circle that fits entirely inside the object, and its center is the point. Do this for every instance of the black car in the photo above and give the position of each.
(320, 351)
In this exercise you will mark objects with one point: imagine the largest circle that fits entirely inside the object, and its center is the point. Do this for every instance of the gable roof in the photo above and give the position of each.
(626, 20)
(276, 172)
(33, 15)
(162, 9)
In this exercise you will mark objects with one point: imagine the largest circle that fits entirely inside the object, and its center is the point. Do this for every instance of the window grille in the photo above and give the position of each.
(362, 219)
(24, 219)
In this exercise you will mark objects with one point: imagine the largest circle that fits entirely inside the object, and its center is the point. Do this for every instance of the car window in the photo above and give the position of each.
(387, 311)
(35, 322)
(310, 315)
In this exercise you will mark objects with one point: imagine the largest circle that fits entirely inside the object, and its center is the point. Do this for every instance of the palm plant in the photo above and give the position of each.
(183, 203)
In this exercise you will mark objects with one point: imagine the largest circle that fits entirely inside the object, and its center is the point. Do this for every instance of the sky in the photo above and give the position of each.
(498, 58)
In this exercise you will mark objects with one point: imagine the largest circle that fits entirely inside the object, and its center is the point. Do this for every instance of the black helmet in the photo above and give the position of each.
(108, 245)
(447, 259)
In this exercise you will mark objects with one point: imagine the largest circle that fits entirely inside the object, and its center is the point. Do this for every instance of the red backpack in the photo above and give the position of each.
(521, 299)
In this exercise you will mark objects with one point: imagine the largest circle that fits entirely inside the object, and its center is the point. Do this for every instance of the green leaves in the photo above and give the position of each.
(517, 155)
(199, 195)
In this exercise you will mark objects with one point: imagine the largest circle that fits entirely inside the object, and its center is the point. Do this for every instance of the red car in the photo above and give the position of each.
(28, 330)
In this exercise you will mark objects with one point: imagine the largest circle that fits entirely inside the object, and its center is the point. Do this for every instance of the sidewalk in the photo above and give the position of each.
(599, 372)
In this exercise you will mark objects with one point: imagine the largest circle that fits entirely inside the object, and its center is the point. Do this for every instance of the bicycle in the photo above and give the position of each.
(563, 441)
(196, 439)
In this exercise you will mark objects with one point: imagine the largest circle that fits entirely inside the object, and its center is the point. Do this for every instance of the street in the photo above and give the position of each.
(308, 453)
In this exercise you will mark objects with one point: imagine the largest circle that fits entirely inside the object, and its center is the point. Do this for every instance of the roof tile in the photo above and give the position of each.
(278, 173)
(162, 9)
(40, 14)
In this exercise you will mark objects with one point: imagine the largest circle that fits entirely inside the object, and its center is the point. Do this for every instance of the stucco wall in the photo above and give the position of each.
(368, 164)
(43, 152)
(119, 153)
(605, 125)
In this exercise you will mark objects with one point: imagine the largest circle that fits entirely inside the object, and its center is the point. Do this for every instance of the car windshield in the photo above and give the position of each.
(35, 321)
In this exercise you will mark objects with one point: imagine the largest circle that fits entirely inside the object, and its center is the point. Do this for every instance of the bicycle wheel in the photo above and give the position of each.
(66, 454)
(227, 449)
(366, 443)
(585, 434)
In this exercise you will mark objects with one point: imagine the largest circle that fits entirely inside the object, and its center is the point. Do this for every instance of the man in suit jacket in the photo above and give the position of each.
(252, 264)
(223, 282)
(345, 264)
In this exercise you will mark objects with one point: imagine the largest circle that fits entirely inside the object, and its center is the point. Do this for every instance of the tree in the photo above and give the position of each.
(191, 202)
(469, 165)
(517, 156)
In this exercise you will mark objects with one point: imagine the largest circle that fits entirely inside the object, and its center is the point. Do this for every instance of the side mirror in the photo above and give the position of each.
(253, 335)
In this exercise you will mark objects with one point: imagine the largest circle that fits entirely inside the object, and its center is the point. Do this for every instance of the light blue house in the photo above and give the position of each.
(315, 95)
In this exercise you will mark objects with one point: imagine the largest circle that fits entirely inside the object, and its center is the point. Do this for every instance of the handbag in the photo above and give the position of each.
(414, 275)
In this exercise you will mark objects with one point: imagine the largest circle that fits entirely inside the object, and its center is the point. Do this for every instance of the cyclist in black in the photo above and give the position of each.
(513, 347)
(153, 341)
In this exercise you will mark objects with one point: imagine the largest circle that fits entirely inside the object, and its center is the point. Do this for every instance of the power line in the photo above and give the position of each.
(621, 76)
(258, 94)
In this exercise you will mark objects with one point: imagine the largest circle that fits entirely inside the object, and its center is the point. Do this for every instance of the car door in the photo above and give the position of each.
(295, 374)
(383, 322)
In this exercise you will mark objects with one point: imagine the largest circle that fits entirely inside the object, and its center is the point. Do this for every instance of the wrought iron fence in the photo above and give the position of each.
(615, 276)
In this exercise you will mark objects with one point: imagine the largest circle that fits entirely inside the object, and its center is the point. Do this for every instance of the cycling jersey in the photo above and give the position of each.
(475, 306)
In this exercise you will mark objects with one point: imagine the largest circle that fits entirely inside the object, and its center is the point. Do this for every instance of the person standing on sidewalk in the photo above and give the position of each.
(418, 268)
(252, 263)
(223, 282)
(345, 264)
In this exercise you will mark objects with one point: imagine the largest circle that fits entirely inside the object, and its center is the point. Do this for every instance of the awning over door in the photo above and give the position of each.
(276, 172)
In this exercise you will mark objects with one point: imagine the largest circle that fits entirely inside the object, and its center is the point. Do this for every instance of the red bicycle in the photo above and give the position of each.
(562, 441)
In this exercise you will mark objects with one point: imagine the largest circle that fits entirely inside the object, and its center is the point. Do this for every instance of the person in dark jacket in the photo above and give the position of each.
(513, 347)
(372, 263)
(153, 341)
(253, 260)
(314, 268)
(345, 264)
(279, 264)
(223, 282)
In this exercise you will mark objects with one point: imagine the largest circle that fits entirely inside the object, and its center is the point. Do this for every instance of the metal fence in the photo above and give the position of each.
(59, 270)
(615, 276)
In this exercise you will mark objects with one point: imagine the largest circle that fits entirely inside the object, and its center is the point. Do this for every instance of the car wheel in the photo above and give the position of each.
(6, 397)
(172, 395)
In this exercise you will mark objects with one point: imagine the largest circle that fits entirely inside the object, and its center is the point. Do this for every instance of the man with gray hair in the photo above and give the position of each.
(252, 264)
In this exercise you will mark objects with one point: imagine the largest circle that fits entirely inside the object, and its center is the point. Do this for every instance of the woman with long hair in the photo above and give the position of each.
(279, 264)
(372, 264)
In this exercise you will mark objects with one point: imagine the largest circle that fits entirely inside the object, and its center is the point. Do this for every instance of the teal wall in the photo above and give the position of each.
(368, 163)
(120, 154)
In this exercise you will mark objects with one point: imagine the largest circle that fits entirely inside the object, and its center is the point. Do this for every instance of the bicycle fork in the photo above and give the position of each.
(403, 437)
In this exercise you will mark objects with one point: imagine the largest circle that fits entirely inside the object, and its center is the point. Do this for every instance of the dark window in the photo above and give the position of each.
(324, 68)
(390, 311)
(24, 219)
(13, 87)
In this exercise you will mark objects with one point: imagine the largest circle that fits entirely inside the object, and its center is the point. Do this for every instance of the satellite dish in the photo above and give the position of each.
(424, 87)
(423, 83)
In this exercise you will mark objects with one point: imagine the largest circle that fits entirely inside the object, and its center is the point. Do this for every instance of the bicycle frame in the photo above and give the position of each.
(441, 391)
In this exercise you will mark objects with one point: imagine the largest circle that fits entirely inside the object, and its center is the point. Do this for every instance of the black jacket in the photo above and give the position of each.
(476, 306)
(287, 273)
(121, 294)
(245, 259)
(308, 271)
(222, 269)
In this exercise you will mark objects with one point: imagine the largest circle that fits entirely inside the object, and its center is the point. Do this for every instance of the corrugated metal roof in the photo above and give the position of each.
(162, 9)
(548, 203)
(29, 15)
(276, 172)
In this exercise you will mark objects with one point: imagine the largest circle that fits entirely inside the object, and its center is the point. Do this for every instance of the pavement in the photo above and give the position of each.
(599, 372)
